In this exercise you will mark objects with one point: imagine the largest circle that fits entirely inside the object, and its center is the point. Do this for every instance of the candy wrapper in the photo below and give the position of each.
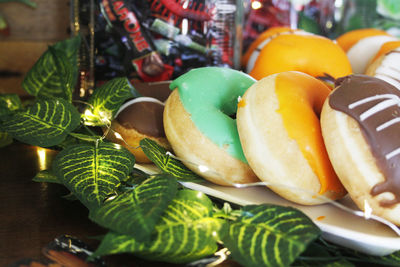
(158, 40)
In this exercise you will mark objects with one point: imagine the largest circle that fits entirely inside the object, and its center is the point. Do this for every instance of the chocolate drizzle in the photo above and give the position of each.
(375, 105)
(146, 117)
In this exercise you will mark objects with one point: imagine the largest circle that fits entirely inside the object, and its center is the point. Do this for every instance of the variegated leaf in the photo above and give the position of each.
(269, 235)
(185, 233)
(167, 164)
(45, 123)
(86, 138)
(106, 101)
(9, 103)
(47, 176)
(137, 211)
(71, 48)
(92, 171)
(5, 139)
(54, 73)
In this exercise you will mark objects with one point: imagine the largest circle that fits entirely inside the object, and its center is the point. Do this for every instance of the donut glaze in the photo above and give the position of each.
(144, 115)
(136, 119)
(278, 123)
(200, 126)
(298, 50)
(350, 38)
(210, 96)
(361, 130)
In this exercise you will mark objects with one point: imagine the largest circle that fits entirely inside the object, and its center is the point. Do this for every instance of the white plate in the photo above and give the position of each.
(337, 225)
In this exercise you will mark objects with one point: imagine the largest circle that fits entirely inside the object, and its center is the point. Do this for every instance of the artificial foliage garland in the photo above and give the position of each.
(151, 216)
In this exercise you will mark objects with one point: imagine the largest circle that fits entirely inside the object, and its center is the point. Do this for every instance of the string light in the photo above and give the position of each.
(41, 153)
(222, 256)
(367, 210)
(256, 4)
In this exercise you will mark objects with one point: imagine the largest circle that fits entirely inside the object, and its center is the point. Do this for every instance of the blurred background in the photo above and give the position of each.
(157, 40)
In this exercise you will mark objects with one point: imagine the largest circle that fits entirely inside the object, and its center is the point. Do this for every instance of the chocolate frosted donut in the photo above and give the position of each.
(139, 118)
(158, 90)
(361, 129)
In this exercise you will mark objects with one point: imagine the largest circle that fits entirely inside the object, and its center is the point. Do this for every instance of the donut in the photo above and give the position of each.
(361, 130)
(279, 129)
(361, 46)
(251, 54)
(137, 119)
(386, 64)
(282, 49)
(200, 126)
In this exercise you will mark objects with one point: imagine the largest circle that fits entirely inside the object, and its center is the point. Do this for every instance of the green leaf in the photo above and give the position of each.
(106, 101)
(389, 8)
(269, 235)
(5, 139)
(318, 254)
(167, 164)
(9, 103)
(47, 176)
(54, 74)
(71, 48)
(186, 232)
(86, 138)
(92, 171)
(321, 252)
(137, 211)
(45, 123)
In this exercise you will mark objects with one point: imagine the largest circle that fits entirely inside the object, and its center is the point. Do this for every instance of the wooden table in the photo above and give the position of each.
(32, 214)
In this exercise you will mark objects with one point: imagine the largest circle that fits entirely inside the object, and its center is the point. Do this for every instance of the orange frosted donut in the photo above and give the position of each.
(362, 45)
(263, 37)
(281, 137)
(282, 49)
(361, 128)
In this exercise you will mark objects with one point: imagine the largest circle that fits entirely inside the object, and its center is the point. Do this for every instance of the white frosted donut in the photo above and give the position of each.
(361, 128)
(280, 133)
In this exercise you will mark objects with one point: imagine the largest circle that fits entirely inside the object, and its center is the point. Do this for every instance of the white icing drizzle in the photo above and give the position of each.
(393, 153)
(387, 124)
(392, 100)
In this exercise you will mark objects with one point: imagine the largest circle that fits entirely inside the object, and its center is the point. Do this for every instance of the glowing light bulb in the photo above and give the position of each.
(256, 5)
(118, 136)
(88, 113)
(367, 210)
(203, 168)
(41, 153)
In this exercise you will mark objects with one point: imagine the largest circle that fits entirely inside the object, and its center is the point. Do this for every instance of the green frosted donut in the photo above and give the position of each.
(210, 96)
